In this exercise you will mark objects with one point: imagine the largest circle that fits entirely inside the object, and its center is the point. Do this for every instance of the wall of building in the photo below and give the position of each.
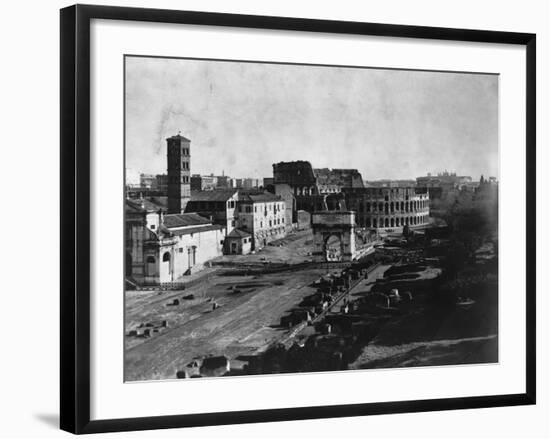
(239, 246)
(266, 221)
(173, 256)
(389, 208)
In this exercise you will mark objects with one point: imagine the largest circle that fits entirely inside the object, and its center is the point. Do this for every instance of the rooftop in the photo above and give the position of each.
(237, 233)
(144, 205)
(179, 136)
(197, 229)
(257, 197)
(175, 220)
(215, 195)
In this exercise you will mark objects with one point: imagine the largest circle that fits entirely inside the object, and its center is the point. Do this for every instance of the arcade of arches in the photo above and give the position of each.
(389, 207)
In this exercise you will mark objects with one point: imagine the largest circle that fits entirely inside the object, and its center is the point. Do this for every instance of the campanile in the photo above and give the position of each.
(179, 173)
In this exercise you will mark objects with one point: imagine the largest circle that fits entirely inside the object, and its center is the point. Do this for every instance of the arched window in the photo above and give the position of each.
(386, 222)
(166, 257)
(150, 259)
(392, 222)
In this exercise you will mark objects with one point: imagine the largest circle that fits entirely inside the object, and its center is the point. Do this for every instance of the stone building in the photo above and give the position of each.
(238, 242)
(218, 205)
(263, 215)
(444, 182)
(330, 181)
(179, 173)
(298, 175)
(180, 244)
(164, 244)
(388, 208)
(333, 236)
(285, 192)
(147, 181)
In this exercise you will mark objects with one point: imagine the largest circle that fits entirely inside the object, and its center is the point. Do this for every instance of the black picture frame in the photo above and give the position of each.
(75, 217)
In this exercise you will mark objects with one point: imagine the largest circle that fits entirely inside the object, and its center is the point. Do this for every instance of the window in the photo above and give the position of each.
(150, 259)
(180, 250)
(152, 227)
(166, 257)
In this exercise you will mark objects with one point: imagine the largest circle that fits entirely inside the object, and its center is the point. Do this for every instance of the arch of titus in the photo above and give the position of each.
(333, 236)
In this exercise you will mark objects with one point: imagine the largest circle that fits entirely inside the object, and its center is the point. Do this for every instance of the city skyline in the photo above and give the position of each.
(404, 123)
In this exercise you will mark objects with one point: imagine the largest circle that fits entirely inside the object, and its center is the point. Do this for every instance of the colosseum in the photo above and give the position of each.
(388, 208)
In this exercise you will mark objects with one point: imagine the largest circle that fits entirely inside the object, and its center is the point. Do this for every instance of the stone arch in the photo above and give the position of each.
(333, 248)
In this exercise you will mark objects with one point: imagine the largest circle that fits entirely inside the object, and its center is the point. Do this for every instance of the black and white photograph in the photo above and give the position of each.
(299, 218)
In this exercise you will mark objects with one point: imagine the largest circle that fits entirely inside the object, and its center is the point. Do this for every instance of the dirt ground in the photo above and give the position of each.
(295, 248)
(246, 319)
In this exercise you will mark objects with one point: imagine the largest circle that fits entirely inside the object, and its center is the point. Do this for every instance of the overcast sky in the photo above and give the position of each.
(243, 117)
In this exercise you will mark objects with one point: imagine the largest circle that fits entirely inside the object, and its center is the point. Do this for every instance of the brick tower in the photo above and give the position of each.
(179, 173)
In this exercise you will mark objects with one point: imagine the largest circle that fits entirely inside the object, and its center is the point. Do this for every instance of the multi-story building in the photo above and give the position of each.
(179, 245)
(300, 177)
(443, 178)
(388, 208)
(218, 205)
(245, 183)
(261, 214)
(161, 183)
(162, 247)
(147, 181)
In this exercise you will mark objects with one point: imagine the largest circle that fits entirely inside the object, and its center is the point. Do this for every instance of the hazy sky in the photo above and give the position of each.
(243, 117)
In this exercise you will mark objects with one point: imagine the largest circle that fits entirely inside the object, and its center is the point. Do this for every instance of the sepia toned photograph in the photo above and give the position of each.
(298, 218)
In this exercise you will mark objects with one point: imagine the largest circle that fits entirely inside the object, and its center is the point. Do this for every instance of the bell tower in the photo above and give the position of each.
(179, 173)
